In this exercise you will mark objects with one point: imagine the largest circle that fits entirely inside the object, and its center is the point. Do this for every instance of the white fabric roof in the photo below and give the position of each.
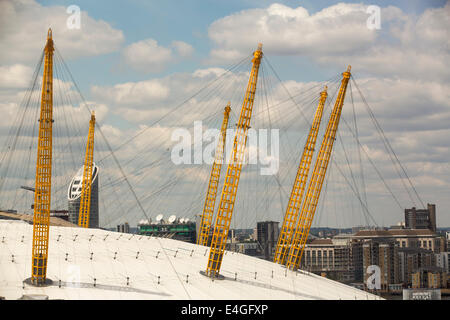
(177, 265)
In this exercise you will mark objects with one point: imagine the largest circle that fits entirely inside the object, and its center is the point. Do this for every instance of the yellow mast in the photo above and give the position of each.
(41, 216)
(315, 185)
(208, 209)
(234, 168)
(295, 200)
(85, 201)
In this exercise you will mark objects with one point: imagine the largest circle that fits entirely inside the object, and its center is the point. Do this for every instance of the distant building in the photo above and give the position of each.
(179, 231)
(447, 241)
(248, 248)
(421, 218)
(432, 277)
(74, 197)
(405, 238)
(443, 261)
(412, 259)
(61, 214)
(267, 236)
(382, 253)
(124, 228)
(333, 258)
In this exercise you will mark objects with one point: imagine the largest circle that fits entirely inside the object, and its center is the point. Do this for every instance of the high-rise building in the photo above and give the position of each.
(421, 218)
(384, 255)
(267, 236)
(74, 197)
(124, 228)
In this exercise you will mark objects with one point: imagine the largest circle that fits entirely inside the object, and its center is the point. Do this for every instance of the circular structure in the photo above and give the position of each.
(172, 218)
(159, 272)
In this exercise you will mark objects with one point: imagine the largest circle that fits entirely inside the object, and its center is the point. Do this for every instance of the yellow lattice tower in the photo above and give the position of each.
(304, 222)
(42, 195)
(211, 194)
(228, 196)
(295, 200)
(85, 201)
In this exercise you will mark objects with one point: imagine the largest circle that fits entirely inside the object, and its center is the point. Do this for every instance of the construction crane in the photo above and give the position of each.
(85, 201)
(41, 215)
(309, 206)
(211, 194)
(295, 200)
(230, 186)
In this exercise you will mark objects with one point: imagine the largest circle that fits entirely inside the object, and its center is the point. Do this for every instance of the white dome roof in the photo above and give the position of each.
(156, 258)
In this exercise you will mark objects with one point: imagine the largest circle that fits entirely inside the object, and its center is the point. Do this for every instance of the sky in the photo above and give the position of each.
(127, 56)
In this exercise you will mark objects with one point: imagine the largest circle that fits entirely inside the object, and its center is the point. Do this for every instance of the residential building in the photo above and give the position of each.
(124, 228)
(333, 258)
(412, 259)
(421, 218)
(267, 236)
(382, 253)
(432, 277)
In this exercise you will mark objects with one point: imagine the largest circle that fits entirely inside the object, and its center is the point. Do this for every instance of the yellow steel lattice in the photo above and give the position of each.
(228, 196)
(295, 200)
(315, 185)
(41, 216)
(208, 209)
(85, 201)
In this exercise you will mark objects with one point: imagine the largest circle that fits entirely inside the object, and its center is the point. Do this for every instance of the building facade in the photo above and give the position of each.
(421, 218)
(178, 231)
(123, 228)
(381, 253)
(334, 258)
(267, 236)
(74, 197)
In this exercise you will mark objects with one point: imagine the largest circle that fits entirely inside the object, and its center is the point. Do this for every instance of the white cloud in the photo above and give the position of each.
(338, 35)
(24, 25)
(15, 76)
(183, 49)
(132, 93)
(285, 31)
(148, 56)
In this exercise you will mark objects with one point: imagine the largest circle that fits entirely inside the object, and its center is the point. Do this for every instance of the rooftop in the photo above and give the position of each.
(126, 266)
(394, 233)
(54, 221)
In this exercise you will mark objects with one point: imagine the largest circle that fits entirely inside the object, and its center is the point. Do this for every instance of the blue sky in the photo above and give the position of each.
(188, 21)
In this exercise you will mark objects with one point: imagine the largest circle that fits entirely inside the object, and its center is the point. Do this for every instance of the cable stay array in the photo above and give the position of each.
(265, 138)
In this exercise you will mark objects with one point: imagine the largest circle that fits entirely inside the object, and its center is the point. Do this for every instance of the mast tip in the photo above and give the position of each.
(49, 33)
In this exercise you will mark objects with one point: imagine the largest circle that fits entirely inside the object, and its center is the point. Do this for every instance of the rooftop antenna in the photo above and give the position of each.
(159, 218)
(172, 218)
